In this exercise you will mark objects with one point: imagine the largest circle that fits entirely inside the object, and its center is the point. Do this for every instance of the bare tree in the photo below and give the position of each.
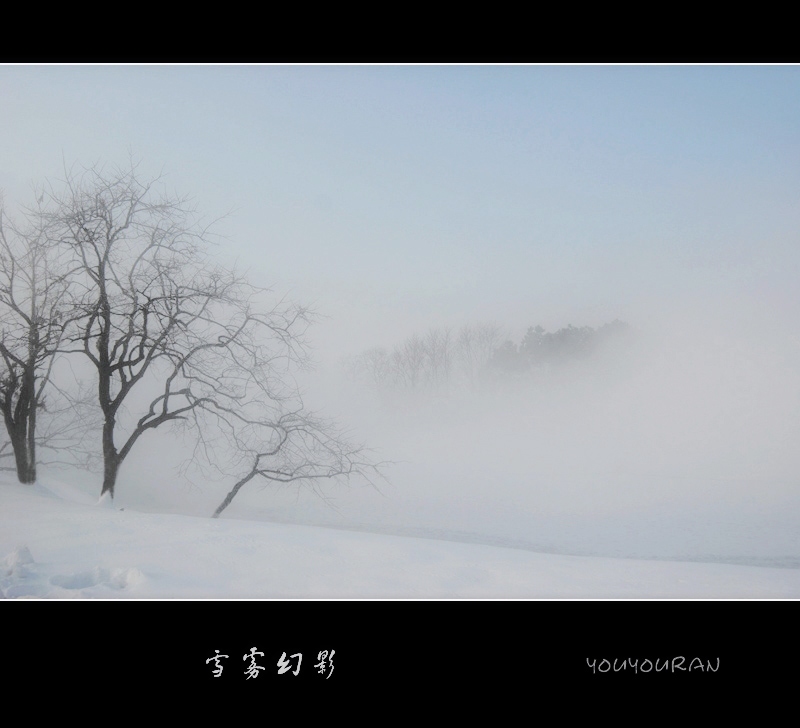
(410, 361)
(433, 360)
(176, 339)
(475, 347)
(33, 315)
(373, 365)
(294, 446)
(466, 352)
(439, 355)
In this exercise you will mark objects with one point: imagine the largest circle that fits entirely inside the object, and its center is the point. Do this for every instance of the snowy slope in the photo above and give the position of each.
(56, 543)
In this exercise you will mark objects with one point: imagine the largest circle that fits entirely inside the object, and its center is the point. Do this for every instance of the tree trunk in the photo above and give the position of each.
(110, 469)
(236, 488)
(111, 460)
(25, 460)
(19, 432)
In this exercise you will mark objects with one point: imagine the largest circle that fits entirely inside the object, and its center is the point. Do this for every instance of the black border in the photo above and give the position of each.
(403, 647)
(549, 34)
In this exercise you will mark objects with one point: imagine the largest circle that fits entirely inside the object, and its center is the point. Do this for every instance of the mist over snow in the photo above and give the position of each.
(679, 444)
(662, 467)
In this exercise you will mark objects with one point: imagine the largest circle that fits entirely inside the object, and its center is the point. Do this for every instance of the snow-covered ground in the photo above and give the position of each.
(56, 541)
(671, 475)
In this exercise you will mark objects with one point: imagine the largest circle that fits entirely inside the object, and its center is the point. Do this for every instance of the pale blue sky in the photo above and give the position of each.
(400, 196)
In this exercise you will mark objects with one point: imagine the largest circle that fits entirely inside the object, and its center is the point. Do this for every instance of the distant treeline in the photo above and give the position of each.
(539, 348)
(477, 353)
